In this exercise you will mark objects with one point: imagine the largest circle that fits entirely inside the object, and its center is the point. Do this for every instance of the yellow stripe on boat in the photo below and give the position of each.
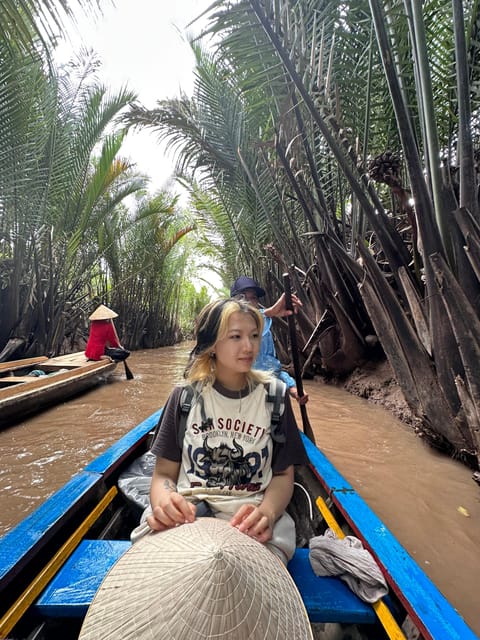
(383, 612)
(20, 606)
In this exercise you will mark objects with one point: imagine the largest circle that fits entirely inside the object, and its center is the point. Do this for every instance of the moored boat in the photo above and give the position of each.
(31, 384)
(53, 562)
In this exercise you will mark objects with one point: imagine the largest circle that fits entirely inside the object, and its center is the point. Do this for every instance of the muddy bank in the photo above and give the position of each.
(376, 382)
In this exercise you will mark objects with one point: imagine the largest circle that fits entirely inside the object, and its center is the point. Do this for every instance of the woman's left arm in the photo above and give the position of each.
(258, 521)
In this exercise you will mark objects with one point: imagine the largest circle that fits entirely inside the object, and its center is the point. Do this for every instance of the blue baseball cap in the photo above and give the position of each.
(244, 282)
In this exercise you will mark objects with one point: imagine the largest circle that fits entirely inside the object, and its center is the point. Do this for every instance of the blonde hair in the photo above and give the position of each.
(212, 326)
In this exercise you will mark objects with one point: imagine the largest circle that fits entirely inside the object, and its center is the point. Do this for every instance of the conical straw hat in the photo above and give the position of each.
(103, 313)
(204, 580)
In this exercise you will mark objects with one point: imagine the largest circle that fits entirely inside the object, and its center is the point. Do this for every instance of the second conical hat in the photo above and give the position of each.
(103, 313)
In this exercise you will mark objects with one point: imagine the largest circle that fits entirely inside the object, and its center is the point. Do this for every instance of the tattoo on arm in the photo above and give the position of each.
(169, 485)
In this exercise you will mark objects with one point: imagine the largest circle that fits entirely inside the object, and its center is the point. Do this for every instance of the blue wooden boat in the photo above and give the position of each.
(53, 562)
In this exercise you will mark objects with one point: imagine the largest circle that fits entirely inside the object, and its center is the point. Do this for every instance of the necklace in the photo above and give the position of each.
(233, 394)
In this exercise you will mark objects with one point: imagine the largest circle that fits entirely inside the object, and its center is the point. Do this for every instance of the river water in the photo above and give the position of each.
(427, 500)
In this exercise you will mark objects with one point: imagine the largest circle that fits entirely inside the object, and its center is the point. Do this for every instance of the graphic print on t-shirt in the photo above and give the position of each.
(226, 465)
(229, 454)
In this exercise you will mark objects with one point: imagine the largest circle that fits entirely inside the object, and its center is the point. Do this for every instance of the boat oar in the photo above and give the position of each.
(307, 427)
(128, 373)
(122, 356)
(119, 354)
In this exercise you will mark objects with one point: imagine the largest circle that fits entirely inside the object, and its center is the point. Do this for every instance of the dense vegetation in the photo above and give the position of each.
(336, 141)
(339, 141)
(77, 224)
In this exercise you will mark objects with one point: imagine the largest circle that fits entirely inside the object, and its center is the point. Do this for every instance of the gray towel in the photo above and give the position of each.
(347, 559)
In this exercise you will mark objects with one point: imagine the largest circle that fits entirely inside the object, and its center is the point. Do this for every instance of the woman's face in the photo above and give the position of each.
(238, 350)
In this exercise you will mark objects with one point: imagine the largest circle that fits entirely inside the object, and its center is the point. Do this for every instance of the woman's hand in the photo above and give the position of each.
(172, 511)
(254, 521)
(258, 521)
(169, 508)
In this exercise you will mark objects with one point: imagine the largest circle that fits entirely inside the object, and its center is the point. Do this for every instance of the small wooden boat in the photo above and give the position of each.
(31, 384)
(53, 562)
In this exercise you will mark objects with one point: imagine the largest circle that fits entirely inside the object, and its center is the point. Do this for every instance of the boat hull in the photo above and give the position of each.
(22, 394)
(52, 563)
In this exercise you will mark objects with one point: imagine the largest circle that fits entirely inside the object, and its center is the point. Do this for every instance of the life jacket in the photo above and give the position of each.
(275, 398)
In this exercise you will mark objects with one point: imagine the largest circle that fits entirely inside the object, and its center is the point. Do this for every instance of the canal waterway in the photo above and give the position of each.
(426, 499)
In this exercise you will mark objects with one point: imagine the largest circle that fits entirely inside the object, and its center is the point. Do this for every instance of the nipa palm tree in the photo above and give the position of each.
(351, 128)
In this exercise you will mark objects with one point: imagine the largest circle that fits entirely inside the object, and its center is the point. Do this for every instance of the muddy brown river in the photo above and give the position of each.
(426, 499)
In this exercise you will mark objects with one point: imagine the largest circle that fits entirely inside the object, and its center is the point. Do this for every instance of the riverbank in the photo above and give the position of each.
(376, 382)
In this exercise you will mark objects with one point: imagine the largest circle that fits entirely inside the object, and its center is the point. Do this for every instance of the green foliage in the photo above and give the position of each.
(315, 132)
(147, 260)
(193, 301)
(68, 235)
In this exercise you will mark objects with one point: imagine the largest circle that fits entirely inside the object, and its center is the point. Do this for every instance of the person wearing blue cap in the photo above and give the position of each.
(267, 359)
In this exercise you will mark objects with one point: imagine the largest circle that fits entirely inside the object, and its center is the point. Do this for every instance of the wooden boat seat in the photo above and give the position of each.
(72, 590)
(17, 379)
(327, 599)
(14, 365)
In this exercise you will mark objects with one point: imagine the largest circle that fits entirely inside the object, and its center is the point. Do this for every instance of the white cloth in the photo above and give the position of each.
(347, 559)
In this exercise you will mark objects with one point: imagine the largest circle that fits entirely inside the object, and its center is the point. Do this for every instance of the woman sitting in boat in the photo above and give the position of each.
(102, 333)
(230, 463)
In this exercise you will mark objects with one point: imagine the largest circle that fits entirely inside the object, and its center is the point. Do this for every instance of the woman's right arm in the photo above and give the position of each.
(169, 508)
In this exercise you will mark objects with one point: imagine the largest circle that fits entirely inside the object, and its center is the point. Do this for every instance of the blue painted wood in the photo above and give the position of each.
(425, 603)
(73, 588)
(17, 546)
(115, 454)
(327, 599)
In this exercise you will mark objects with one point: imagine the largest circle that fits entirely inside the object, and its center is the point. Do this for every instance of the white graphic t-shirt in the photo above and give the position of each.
(228, 454)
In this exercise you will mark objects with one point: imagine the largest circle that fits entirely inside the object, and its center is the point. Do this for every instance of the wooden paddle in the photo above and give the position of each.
(128, 373)
(307, 427)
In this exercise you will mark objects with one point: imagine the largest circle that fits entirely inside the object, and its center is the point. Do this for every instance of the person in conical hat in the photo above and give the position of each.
(102, 333)
(103, 313)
